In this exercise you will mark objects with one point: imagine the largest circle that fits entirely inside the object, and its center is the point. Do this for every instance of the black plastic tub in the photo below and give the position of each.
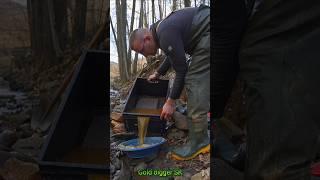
(76, 146)
(149, 96)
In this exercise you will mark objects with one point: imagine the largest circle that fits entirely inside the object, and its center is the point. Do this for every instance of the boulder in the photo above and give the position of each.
(202, 175)
(115, 116)
(29, 146)
(8, 138)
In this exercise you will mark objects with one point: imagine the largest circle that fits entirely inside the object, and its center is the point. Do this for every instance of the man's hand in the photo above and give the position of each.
(153, 77)
(168, 109)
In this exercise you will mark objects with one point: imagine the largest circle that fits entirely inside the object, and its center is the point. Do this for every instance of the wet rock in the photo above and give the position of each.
(180, 120)
(18, 170)
(18, 119)
(4, 156)
(51, 84)
(3, 103)
(159, 163)
(8, 138)
(5, 148)
(117, 127)
(117, 175)
(123, 174)
(25, 130)
(112, 169)
(112, 105)
(6, 94)
(117, 163)
(140, 166)
(5, 64)
(5, 125)
(186, 176)
(3, 83)
(117, 116)
(23, 157)
(114, 93)
(119, 108)
(29, 146)
(202, 175)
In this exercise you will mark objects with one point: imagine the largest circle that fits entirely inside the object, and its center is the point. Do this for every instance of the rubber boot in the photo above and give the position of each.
(198, 142)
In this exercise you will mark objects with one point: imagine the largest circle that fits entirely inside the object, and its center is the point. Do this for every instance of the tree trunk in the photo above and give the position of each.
(165, 8)
(160, 9)
(132, 15)
(101, 12)
(61, 22)
(187, 3)
(118, 48)
(79, 25)
(119, 44)
(124, 63)
(124, 22)
(93, 15)
(145, 19)
(174, 5)
(131, 27)
(135, 61)
(153, 12)
(42, 42)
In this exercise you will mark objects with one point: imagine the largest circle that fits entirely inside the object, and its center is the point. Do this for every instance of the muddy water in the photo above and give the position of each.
(146, 111)
(143, 122)
(98, 177)
(87, 156)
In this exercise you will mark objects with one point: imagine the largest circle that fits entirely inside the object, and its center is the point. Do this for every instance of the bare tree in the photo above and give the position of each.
(187, 3)
(165, 7)
(44, 42)
(61, 22)
(160, 9)
(135, 61)
(134, 66)
(174, 5)
(79, 25)
(153, 12)
(124, 63)
(145, 19)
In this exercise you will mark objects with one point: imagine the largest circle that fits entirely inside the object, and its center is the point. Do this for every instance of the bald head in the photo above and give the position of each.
(137, 35)
(142, 41)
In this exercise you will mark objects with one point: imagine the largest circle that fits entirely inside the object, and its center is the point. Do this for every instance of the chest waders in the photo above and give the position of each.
(197, 83)
(280, 64)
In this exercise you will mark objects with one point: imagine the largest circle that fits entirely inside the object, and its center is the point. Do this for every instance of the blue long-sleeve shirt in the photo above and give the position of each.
(171, 35)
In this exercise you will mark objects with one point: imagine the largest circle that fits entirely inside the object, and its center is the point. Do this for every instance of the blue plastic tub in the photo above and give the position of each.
(154, 148)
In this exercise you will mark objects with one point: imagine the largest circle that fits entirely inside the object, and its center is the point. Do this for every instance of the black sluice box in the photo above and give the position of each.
(76, 146)
(146, 95)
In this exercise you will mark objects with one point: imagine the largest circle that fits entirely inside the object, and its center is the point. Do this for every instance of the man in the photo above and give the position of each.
(279, 62)
(183, 31)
